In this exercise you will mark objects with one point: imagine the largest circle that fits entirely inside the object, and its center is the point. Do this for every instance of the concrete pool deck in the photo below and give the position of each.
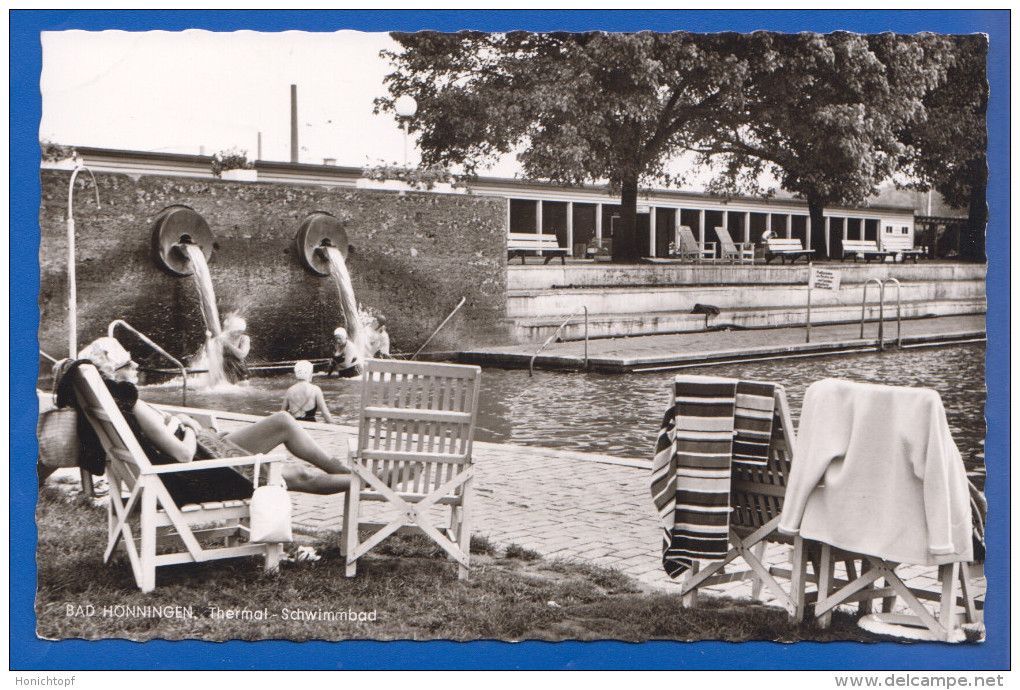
(562, 504)
(651, 352)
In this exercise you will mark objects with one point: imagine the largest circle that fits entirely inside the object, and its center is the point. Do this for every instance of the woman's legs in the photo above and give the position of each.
(278, 428)
(309, 481)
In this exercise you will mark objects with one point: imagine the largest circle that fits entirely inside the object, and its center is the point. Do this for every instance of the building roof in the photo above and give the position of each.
(191, 165)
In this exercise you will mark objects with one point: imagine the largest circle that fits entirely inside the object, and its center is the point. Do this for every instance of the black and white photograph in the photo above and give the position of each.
(595, 335)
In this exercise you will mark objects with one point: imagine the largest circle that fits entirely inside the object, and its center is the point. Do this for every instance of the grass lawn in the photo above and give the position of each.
(408, 588)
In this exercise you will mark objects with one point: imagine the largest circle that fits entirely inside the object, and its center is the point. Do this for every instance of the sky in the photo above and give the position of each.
(199, 91)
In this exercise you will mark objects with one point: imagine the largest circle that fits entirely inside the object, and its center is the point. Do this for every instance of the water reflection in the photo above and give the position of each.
(619, 414)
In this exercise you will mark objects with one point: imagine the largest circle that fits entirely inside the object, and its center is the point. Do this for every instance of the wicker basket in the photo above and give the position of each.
(58, 437)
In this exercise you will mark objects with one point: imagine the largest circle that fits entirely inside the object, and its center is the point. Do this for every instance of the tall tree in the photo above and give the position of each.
(822, 115)
(948, 148)
(581, 107)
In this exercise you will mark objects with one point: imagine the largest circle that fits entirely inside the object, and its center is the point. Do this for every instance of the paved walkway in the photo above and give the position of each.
(562, 504)
(642, 352)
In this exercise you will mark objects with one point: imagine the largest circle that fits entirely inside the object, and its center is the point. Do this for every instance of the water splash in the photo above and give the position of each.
(210, 355)
(352, 314)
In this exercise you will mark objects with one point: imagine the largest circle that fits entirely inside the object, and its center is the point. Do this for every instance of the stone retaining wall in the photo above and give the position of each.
(414, 256)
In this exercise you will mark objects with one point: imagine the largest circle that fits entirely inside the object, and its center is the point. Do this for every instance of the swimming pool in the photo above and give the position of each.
(618, 414)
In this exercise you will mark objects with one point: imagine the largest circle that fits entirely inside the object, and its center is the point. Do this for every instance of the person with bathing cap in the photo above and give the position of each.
(346, 359)
(236, 346)
(304, 398)
(167, 438)
(378, 338)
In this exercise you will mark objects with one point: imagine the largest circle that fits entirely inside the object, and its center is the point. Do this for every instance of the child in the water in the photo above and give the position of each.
(304, 398)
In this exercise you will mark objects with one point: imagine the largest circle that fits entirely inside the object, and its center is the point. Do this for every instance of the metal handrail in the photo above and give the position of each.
(899, 311)
(881, 310)
(531, 364)
(145, 339)
(450, 316)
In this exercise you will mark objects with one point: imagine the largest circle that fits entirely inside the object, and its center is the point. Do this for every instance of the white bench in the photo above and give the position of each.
(904, 246)
(520, 243)
(784, 247)
(864, 249)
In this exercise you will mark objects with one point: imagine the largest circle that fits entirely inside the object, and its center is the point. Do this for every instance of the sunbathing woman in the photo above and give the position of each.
(167, 438)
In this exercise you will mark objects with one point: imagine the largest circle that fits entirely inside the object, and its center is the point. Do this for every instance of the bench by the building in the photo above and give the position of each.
(904, 246)
(864, 249)
(786, 247)
(522, 243)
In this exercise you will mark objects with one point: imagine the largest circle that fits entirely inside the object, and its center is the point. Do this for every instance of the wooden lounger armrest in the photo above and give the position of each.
(195, 465)
(709, 245)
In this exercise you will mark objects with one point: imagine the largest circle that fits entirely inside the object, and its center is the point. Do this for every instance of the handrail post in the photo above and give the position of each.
(586, 338)
(450, 316)
(881, 317)
(145, 339)
(531, 364)
(899, 311)
(864, 300)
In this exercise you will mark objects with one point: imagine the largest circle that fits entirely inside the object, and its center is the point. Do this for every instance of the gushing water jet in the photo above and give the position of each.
(182, 243)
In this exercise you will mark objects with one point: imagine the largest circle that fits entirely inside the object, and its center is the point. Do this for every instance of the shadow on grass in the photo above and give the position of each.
(406, 590)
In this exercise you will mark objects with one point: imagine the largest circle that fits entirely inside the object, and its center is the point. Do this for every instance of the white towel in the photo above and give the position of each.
(876, 471)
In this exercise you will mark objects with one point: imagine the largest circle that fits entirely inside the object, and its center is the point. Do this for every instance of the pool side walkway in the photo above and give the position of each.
(561, 504)
(651, 352)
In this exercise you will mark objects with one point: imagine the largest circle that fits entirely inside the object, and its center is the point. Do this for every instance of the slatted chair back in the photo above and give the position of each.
(757, 487)
(687, 246)
(730, 250)
(125, 459)
(418, 420)
(757, 491)
(415, 433)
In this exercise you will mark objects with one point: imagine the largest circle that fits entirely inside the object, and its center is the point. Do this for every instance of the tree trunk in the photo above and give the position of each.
(817, 239)
(625, 236)
(972, 244)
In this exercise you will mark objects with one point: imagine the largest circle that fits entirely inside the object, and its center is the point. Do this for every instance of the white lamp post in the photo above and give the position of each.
(405, 107)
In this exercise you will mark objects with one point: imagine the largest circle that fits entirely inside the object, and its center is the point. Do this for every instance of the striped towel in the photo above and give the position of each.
(691, 471)
(752, 422)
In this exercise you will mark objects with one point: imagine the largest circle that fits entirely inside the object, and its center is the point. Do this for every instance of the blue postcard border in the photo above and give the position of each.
(27, 652)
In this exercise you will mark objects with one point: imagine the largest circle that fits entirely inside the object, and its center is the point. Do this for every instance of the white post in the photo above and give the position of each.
(747, 226)
(651, 231)
(677, 222)
(570, 227)
(789, 225)
(828, 227)
(701, 227)
(598, 221)
(72, 289)
(768, 222)
(538, 216)
(726, 219)
(811, 273)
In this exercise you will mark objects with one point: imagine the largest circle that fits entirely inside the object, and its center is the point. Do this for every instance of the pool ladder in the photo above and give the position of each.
(145, 339)
(881, 310)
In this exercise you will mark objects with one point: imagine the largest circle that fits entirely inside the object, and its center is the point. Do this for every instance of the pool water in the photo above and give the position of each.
(618, 414)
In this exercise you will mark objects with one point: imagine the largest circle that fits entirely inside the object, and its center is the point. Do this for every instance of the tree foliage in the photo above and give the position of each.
(584, 107)
(947, 149)
(823, 114)
(829, 116)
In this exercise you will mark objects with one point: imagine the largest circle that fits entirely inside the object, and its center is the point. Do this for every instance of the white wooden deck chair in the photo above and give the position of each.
(139, 499)
(734, 252)
(879, 579)
(880, 451)
(413, 451)
(687, 247)
(756, 501)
